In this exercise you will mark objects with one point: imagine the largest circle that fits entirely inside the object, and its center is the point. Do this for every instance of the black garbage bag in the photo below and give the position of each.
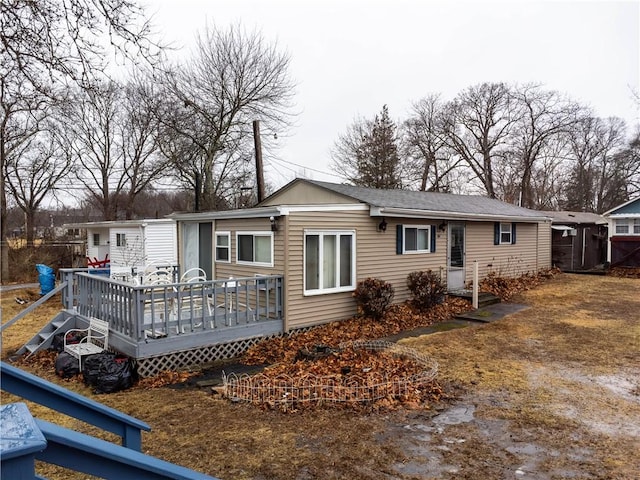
(66, 365)
(107, 372)
(57, 344)
(92, 367)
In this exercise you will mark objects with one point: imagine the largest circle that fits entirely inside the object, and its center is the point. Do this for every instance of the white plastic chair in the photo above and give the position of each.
(195, 274)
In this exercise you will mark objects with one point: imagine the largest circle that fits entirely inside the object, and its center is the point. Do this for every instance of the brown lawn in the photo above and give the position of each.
(550, 392)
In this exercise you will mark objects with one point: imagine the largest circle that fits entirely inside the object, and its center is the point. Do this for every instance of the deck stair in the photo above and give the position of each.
(43, 339)
(484, 298)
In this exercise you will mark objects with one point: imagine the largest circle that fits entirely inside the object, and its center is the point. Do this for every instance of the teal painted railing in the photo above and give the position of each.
(19, 447)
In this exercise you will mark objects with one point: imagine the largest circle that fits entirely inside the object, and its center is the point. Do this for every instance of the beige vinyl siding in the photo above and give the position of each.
(375, 257)
(379, 259)
(504, 260)
(544, 245)
(234, 226)
(306, 194)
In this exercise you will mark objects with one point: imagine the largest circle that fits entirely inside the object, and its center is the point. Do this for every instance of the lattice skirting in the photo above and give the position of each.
(151, 366)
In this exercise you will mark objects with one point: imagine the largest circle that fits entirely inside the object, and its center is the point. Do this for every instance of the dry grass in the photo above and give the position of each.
(561, 376)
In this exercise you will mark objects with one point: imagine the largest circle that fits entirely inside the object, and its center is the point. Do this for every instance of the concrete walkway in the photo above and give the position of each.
(491, 313)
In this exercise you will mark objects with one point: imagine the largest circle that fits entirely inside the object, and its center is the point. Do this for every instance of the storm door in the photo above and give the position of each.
(455, 257)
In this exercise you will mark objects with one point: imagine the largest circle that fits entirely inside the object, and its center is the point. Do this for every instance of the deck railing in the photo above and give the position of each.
(169, 309)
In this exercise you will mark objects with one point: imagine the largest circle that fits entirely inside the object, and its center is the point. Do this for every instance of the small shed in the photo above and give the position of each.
(624, 234)
(131, 243)
(578, 240)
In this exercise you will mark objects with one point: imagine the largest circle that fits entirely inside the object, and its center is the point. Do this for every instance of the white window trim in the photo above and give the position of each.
(404, 239)
(510, 232)
(121, 239)
(254, 233)
(215, 246)
(327, 291)
(631, 225)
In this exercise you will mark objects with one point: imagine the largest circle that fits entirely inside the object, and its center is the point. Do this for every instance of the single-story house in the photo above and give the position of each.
(290, 263)
(324, 238)
(624, 234)
(578, 240)
(128, 244)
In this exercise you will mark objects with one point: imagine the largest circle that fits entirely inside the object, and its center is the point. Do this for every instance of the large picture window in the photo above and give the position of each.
(329, 262)
(254, 248)
(223, 247)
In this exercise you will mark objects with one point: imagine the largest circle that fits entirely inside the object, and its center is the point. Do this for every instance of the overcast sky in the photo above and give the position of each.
(349, 58)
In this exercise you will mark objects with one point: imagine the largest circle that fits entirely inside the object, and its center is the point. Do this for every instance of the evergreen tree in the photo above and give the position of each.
(367, 155)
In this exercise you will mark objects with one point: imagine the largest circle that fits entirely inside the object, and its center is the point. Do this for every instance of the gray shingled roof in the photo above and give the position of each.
(430, 201)
(574, 217)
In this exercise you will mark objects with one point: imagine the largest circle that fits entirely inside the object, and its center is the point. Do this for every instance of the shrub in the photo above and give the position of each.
(373, 296)
(426, 288)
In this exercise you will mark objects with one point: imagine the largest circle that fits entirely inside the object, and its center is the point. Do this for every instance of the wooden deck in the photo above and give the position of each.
(155, 320)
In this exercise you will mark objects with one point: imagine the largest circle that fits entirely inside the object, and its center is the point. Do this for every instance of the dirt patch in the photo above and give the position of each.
(549, 392)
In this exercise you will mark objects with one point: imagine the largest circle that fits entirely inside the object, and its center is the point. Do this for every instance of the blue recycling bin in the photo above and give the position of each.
(46, 277)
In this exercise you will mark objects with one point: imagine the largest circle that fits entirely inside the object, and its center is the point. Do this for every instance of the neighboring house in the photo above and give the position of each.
(578, 241)
(131, 244)
(624, 234)
(324, 238)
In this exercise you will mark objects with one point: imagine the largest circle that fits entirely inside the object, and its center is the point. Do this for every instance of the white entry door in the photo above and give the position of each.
(455, 256)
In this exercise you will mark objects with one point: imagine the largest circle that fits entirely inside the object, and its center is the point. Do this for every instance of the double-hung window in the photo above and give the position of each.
(628, 226)
(622, 226)
(504, 233)
(121, 240)
(223, 247)
(254, 248)
(329, 261)
(417, 239)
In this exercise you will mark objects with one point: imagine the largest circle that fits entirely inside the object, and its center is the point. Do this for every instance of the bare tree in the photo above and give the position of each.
(35, 172)
(234, 79)
(477, 127)
(429, 159)
(367, 154)
(631, 162)
(138, 133)
(92, 122)
(598, 174)
(22, 111)
(44, 43)
(542, 116)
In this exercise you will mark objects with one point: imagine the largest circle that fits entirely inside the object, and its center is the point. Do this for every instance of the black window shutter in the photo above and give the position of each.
(433, 238)
(513, 233)
(399, 239)
(496, 233)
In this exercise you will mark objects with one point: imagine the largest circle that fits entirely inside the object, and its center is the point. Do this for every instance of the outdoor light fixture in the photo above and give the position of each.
(442, 227)
(274, 224)
(382, 226)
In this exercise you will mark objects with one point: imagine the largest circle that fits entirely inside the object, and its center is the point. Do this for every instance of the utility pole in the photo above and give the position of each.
(259, 169)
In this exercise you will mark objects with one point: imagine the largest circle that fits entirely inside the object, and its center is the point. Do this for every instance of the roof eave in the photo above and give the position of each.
(444, 215)
(260, 212)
